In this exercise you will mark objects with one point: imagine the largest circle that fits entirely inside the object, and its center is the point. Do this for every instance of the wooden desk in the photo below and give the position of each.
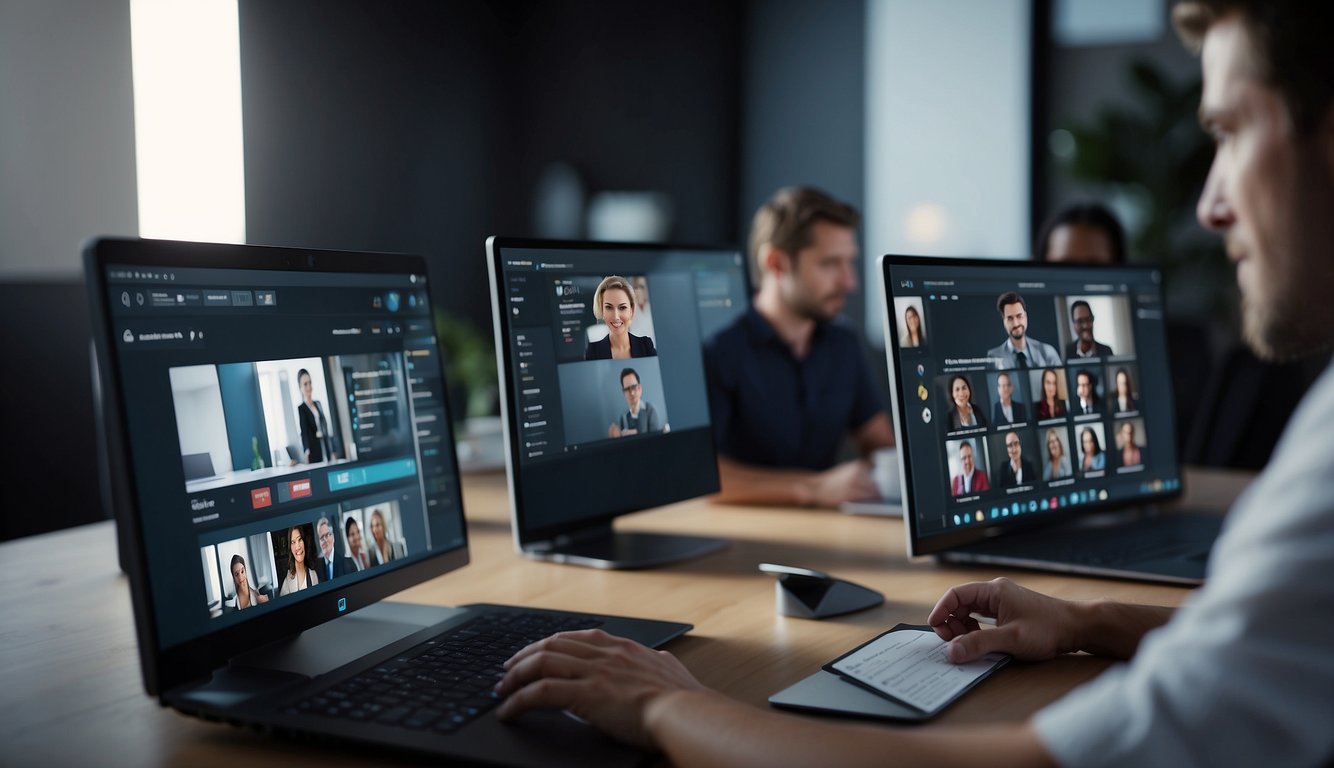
(71, 692)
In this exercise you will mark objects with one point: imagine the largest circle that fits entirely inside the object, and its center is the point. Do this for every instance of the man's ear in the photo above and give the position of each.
(775, 260)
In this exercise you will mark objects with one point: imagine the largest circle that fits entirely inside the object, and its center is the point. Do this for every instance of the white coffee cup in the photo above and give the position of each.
(885, 472)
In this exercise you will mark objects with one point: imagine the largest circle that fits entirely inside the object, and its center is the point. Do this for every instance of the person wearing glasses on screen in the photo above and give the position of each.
(299, 573)
(614, 304)
(641, 418)
(246, 596)
(1084, 345)
(330, 565)
(1240, 673)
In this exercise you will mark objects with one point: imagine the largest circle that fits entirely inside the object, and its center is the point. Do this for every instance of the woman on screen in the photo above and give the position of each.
(299, 574)
(245, 595)
(1051, 406)
(382, 549)
(1094, 458)
(614, 304)
(912, 328)
(316, 442)
(1124, 400)
(1057, 464)
(964, 414)
(1131, 454)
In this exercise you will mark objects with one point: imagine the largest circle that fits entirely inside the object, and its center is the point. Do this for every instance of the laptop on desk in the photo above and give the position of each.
(258, 595)
(1033, 410)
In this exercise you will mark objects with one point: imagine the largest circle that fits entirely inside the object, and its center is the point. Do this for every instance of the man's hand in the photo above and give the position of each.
(850, 481)
(1029, 625)
(1033, 626)
(608, 681)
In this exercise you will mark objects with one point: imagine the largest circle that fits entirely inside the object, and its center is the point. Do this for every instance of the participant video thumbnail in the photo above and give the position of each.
(602, 399)
(240, 422)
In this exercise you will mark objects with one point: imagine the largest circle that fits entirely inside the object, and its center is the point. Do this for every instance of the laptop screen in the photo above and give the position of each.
(1025, 392)
(282, 431)
(592, 436)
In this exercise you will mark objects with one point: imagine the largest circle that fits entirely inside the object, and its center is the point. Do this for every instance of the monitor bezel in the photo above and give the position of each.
(167, 668)
(917, 543)
(525, 537)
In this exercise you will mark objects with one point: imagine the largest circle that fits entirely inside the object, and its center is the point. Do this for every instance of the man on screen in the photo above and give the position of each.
(1084, 345)
(1017, 470)
(970, 479)
(1086, 390)
(788, 384)
(1006, 410)
(641, 418)
(330, 565)
(1020, 350)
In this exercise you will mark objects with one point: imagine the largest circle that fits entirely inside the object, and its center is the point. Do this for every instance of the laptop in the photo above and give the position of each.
(258, 572)
(1034, 414)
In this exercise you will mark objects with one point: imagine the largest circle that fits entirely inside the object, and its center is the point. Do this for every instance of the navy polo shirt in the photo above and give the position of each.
(771, 409)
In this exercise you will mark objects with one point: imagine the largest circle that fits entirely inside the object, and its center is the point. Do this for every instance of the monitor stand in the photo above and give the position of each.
(601, 547)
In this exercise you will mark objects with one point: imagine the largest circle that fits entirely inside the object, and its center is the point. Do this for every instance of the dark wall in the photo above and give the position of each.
(422, 126)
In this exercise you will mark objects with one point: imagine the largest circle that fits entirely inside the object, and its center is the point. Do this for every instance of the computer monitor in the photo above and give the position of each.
(262, 402)
(991, 441)
(576, 460)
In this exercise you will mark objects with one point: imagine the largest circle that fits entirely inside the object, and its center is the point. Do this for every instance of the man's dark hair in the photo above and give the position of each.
(1291, 43)
(630, 372)
(1008, 298)
(1093, 380)
(1077, 305)
(785, 222)
(1094, 215)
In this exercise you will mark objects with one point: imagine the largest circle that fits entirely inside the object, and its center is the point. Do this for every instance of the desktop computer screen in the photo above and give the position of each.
(591, 435)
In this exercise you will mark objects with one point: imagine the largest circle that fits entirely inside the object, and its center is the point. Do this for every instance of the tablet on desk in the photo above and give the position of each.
(899, 675)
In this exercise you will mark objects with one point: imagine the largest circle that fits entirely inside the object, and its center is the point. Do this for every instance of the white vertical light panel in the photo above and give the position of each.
(187, 119)
(947, 132)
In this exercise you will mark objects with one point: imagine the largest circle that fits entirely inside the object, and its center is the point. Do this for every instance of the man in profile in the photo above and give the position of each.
(1018, 470)
(1019, 349)
(1006, 410)
(1084, 345)
(787, 380)
(641, 418)
(1241, 673)
(1086, 392)
(330, 564)
(970, 480)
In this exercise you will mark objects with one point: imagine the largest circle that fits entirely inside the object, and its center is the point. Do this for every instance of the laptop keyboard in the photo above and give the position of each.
(443, 683)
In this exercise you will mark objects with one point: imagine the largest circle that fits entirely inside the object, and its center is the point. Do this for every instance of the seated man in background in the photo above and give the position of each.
(787, 380)
(1241, 673)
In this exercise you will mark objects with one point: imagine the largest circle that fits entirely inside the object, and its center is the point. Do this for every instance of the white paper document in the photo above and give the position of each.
(910, 665)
